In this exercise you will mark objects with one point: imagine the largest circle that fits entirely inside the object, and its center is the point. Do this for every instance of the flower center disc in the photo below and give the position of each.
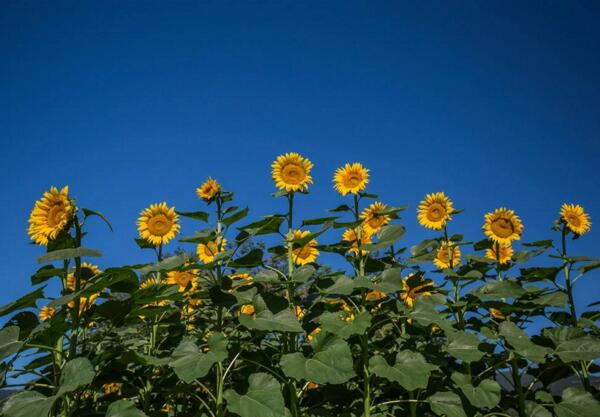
(159, 225)
(182, 278)
(502, 228)
(353, 180)
(293, 174)
(55, 215)
(303, 252)
(436, 212)
(574, 220)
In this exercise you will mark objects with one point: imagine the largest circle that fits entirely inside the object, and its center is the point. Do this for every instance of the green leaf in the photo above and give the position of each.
(124, 408)
(499, 289)
(9, 341)
(228, 221)
(388, 235)
(331, 364)
(87, 213)
(484, 395)
(446, 404)
(552, 299)
(263, 398)
(189, 363)
(424, 313)
(45, 273)
(464, 346)
(76, 373)
(268, 225)
(333, 323)
(588, 267)
(28, 404)
(166, 264)
(317, 221)
(533, 409)
(577, 403)
(342, 286)
(198, 215)
(62, 254)
(27, 301)
(411, 370)
(303, 273)
(283, 321)
(521, 343)
(586, 348)
(251, 259)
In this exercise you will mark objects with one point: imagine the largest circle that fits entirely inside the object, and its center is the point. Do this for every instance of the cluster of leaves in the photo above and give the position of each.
(317, 342)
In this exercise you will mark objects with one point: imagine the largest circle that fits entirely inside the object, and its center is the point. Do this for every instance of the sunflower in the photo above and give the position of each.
(576, 219)
(111, 388)
(350, 236)
(308, 252)
(447, 256)
(299, 311)
(312, 334)
(372, 218)
(85, 303)
(248, 309)
(208, 190)
(414, 287)
(207, 251)
(87, 271)
(150, 282)
(182, 279)
(50, 215)
(351, 178)
(291, 172)
(497, 314)
(158, 224)
(375, 295)
(338, 301)
(46, 313)
(506, 254)
(503, 226)
(311, 386)
(435, 211)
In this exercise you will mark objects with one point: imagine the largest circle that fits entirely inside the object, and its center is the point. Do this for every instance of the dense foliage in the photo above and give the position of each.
(438, 329)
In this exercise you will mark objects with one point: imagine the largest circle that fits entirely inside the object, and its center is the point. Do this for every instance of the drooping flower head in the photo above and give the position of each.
(46, 313)
(350, 235)
(158, 224)
(306, 253)
(372, 218)
(576, 219)
(351, 178)
(447, 256)
(415, 286)
(207, 251)
(50, 215)
(87, 271)
(506, 254)
(208, 190)
(435, 211)
(291, 172)
(503, 226)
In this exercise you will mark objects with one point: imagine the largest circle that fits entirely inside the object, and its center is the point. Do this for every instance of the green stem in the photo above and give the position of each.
(518, 386)
(366, 376)
(75, 312)
(412, 404)
(220, 409)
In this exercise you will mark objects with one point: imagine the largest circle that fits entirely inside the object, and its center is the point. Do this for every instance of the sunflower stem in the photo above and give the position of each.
(75, 313)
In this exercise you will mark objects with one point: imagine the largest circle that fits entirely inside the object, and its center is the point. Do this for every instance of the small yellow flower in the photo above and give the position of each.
(207, 251)
(413, 289)
(311, 386)
(372, 218)
(350, 236)
(248, 309)
(307, 253)
(447, 256)
(497, 314)
(87, 271)
(291, 172)
(50, 215)
(299, 311)
(312, 334)
(576, 219)
(208, 190)
(111, 388)
(46, 313)
(503, 226)
(158, 224)
(351, 178)
(435, 211)
(85, 303)
(183, 279)
(506, 254)
(375, 295)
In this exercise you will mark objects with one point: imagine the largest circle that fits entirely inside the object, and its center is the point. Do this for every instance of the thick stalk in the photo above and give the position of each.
(518, 386)
(412, 404)
(220, 409)
(75, 313)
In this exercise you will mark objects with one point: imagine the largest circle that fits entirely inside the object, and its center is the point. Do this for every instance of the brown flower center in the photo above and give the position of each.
(353, 180)
(159, 225)
(304, 252)
(293, 174)
(502, 227)
(574, 220)
(56, 214)
(436, 212)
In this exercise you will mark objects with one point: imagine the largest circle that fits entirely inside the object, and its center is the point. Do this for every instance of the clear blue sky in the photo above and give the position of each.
(134, 102)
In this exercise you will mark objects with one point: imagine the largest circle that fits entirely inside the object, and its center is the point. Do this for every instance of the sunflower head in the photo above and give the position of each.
(447, 256)
(575, 218)
(497, 314)
(503, 226)
(209, 250)
(85, 303)
(248, 310)
(46, 313)
(506, 254)
(158, 224)
(150, 282)
(351, 178)
(372, 218)
(375, 295)
(435, 211)
(306, 253)
(208, 190)
(291, 172)
(182, 279)
(50, 215)
(87, 271)
(350, 235)
(312, 334)
(299, 311)
(414, 286)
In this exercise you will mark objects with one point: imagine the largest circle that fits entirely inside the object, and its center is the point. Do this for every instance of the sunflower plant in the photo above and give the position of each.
(287, 316)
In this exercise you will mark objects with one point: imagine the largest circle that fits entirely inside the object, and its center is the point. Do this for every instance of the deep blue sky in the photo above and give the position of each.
(134, 102)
